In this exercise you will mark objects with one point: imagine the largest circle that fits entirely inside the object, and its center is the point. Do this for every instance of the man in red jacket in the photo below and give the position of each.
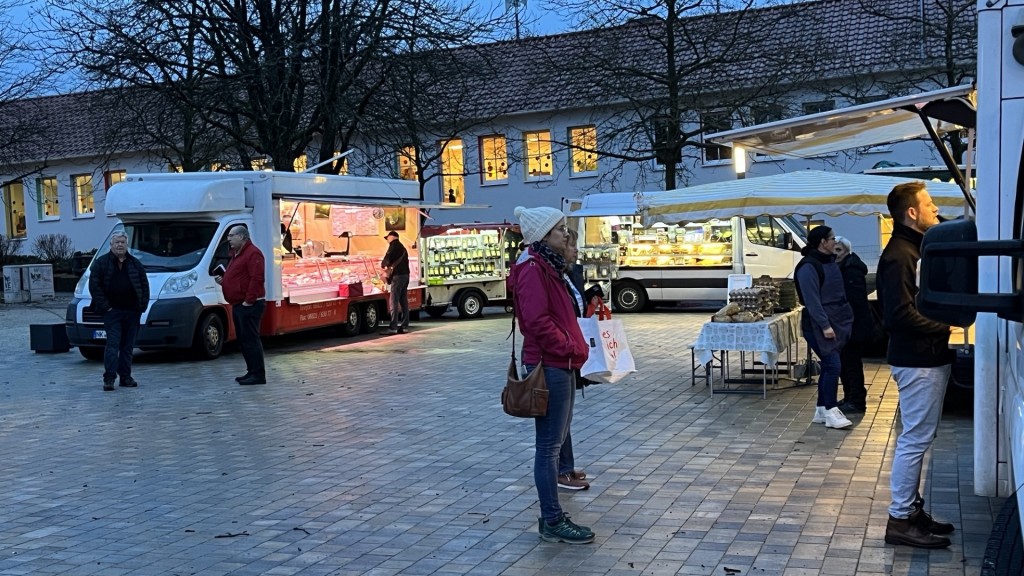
(244, 288)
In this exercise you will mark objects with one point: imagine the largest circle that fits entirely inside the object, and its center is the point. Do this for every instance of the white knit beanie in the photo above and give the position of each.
(535, 223)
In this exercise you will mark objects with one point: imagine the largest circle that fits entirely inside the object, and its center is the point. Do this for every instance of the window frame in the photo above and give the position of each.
(501, 158)
(410, 155)
(710, 124)
(42, 198)
(10, 211)
(448, 173)
(585, 147)
(528, 157)
(78, 183)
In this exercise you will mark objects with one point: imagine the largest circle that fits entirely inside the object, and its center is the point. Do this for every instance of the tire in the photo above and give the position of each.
(208, 342)
(371, 317)
(355, 320)
(1004, 555)
(471, 304)
(436, 311)
(94, 353)
(629, 297)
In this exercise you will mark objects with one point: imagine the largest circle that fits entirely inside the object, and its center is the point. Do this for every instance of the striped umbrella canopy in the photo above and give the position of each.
(805, 193)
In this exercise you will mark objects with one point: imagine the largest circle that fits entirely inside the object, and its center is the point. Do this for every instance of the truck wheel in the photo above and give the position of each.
(371, 317)
(94, 353)
(471, 304)
(208, 342)
(436, 311)
(1005, 553)
(351, 328)
(629, 297)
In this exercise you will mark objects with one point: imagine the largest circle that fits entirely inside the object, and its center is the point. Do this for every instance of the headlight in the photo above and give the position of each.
(82, 287)
(180, 283)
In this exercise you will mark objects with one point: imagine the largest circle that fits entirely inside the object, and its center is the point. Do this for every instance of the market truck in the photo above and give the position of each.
(467, 265)
(640, 265)
(973, 272)
(322, 237)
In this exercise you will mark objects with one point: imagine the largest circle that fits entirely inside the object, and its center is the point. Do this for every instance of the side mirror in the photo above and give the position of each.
(949, 275)
(786, 241)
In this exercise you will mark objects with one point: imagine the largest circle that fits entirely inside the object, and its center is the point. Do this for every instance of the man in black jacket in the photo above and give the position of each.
(920, 359)
(120, 292)
(396, 265)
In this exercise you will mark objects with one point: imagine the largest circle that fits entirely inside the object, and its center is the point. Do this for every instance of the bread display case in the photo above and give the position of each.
(699, 245)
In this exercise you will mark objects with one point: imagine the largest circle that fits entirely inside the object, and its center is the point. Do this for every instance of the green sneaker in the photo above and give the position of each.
(565, 531)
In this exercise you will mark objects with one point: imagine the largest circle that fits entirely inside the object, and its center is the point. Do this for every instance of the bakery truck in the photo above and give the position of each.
(973, 272)
(322, 238)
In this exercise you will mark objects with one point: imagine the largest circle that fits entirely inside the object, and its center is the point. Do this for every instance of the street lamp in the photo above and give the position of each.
(739, 161)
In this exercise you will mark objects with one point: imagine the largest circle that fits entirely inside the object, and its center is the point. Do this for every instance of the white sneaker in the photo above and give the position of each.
(819, 415)
(834, 418)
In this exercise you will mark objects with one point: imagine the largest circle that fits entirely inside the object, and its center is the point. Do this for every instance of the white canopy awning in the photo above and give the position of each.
(805, 193)
(873, 124)
(608, 204)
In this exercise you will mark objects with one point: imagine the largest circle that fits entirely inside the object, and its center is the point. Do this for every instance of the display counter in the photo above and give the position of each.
(306, 280)
(698, 245)
(464, 257)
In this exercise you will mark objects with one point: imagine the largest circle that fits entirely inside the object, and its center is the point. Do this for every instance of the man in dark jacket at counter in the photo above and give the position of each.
(120, 292)
(920, 359)
(244, 287)
(396, 265)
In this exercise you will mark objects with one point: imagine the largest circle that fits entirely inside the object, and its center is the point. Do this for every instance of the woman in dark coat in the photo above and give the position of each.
(827, 319)
(852, 373)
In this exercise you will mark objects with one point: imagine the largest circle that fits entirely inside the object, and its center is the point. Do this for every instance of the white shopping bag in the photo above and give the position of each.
(610, 359)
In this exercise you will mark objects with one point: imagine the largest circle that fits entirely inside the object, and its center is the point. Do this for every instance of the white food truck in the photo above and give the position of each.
(684, 244)
(322, 237)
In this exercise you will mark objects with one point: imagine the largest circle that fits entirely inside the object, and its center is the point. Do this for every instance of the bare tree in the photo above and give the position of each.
(665, 72)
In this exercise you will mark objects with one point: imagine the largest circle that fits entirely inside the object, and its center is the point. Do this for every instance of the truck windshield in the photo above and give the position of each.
(166, 246)
(798, 228)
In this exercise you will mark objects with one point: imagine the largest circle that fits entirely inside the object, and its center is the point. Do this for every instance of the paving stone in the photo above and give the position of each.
(391, 456)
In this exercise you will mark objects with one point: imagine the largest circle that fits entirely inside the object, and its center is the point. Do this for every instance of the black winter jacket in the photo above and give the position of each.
(855, 273)
(914, 341)
(102, 273)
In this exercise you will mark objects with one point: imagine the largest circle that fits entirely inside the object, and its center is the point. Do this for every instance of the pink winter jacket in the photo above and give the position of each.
(546, 316)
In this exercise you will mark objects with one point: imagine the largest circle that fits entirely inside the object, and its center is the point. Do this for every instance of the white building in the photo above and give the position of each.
(519, 155)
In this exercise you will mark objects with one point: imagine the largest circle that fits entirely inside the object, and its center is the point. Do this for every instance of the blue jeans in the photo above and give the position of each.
(551, 434)
(399, 302)
(121, 326)
(921, 394)
(828, 380)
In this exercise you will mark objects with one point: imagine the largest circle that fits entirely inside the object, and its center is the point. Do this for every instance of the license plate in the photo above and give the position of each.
(99, 334)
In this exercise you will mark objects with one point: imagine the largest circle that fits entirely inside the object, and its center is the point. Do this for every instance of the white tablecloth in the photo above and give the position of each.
(770, 337)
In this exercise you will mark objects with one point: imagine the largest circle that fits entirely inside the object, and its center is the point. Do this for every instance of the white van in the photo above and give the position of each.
(639, 266)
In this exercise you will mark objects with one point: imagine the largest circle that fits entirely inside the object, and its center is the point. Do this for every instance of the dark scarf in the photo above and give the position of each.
(555, 260)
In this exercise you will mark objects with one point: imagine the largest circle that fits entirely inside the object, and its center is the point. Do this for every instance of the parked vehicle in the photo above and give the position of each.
(177, 226)
(466, 266)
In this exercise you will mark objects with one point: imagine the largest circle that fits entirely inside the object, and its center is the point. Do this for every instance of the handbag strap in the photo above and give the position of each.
(601, 309)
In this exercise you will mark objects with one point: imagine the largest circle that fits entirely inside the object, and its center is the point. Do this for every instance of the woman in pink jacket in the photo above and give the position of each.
(551, 335)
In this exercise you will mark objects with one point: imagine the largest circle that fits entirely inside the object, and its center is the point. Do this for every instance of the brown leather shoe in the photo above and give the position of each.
(907, 532)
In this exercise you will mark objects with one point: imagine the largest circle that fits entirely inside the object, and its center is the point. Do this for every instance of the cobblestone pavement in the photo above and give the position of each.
(392, 456)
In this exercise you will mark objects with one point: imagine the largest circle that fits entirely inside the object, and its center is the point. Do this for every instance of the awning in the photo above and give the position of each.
(805, 193)
(873, 124)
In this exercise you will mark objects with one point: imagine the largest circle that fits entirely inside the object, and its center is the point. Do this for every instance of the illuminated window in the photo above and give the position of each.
(407, 163)
(299, 164)
(260, 164)
(49, 202)
(343, 171)
(493, 159)
(85, 204)
(538, 155)
(712, 122)
(111, 177)
(583, 151)
(14, 200)
(453, 180)
(175, 168)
